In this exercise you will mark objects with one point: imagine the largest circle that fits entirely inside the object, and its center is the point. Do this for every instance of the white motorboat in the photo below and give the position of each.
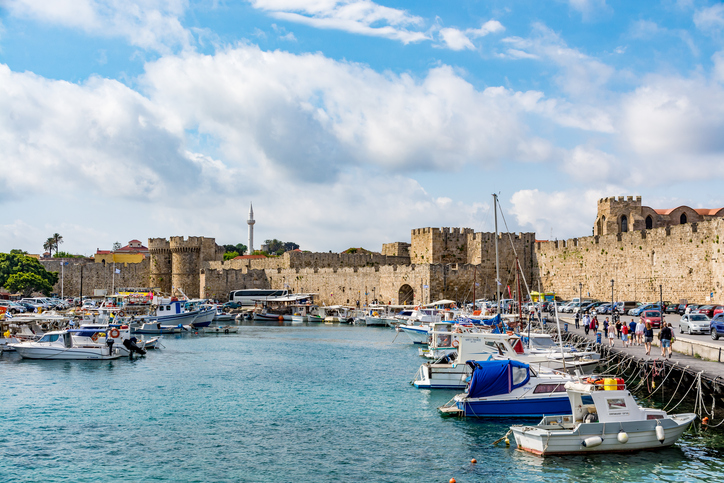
(61, 345)
(449, 371)
(510, 388)
(605, 418)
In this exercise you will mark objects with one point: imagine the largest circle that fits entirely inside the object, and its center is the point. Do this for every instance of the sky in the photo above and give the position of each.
(347, 123)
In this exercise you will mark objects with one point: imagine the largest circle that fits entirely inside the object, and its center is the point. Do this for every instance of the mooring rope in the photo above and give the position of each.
(687, 392)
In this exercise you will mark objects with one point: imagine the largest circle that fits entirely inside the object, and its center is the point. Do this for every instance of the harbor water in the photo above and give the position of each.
(279, 403)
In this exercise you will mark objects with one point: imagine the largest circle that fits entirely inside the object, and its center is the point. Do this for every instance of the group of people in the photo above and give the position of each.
(631, 334)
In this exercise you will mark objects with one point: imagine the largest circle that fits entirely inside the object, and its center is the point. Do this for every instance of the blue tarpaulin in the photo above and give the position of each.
(491, 378)
(494, 321)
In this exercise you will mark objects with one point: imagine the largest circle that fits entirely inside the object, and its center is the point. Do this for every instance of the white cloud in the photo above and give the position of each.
(362, 17)
(149, 24)
(588, 8)
(710, 19)
(455, 39)
(556, 215)
(593, 166)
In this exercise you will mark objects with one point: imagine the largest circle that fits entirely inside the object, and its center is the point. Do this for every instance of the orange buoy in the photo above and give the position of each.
(281, 317)
(704, 421)
(452, 480)
(473, 461)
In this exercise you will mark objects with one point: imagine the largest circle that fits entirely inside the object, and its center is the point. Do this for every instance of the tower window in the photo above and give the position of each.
(649, 222)
(624, 223)
(682, 218)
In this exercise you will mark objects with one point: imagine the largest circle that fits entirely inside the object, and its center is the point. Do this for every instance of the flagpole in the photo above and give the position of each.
(62, 276)
(113, 286)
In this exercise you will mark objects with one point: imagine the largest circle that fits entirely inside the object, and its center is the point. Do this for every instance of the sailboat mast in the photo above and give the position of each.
(497, 261)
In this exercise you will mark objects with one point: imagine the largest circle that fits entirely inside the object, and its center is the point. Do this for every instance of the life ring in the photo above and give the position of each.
(94, 337)
(122, 313)
(115, 333)
(455, 343)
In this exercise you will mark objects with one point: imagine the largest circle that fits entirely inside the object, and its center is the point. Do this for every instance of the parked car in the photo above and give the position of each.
(695, 324)
(604, 309)
(231, 305)
(589, 308)
(13, 307)
(637, 311)
(671, 308)
(707, 310)
(716, 326)
(653, 317)
(719, 309)
(683, 307)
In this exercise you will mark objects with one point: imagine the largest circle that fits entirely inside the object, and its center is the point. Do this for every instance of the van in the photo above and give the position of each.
(628, 306)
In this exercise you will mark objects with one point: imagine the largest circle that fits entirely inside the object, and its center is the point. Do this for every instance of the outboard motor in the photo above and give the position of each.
(130, 344)
(109, 342)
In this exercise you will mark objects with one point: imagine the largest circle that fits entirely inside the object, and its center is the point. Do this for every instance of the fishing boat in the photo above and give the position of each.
(605, 418)
(172, 313)
(61, 345)
(155, 328)
(508, 388)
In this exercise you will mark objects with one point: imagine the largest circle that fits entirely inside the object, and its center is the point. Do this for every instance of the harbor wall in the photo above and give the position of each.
(684, 259)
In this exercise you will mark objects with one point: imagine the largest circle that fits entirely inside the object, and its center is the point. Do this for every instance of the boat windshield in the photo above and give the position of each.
(49, 338)
(542, 342)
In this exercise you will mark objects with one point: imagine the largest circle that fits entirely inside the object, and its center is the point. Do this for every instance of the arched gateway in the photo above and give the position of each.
(405, 296)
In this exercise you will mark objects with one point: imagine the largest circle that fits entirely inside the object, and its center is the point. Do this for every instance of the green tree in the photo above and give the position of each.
(230, 255)
(48, 245)
(13, 263)
(27, 283)
(239, 248)
(66, 255)
(16, 251)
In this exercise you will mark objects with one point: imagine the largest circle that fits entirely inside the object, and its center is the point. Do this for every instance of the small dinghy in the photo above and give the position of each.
(605, 418)
(225, 329)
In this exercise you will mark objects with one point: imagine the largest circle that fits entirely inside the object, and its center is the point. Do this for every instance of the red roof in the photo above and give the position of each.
(134, 241)
(103, 252)
(129, 248)
(249, 257)
(701, 211)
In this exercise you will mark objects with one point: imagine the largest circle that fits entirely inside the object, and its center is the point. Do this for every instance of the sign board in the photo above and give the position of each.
(100, 292)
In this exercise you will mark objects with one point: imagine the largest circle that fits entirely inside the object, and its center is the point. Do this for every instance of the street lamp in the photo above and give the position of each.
(580, 295)
(612, 299)
(661, 302)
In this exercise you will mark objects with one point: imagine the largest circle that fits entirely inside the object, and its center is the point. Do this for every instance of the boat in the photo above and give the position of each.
(62, 345)
(155, 328)
(450, 371)
(605, 418)
(170, 313)
(508, 388)
(281, 308)
(225, 329)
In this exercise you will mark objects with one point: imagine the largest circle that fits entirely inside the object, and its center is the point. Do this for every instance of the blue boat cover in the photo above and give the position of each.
(491, 378)
(494, 321)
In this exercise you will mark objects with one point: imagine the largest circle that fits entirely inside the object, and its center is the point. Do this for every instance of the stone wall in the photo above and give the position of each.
(396, 249)
(683, 259)
(439, 245)
(160, 264)
(95, 275)
(310, 260)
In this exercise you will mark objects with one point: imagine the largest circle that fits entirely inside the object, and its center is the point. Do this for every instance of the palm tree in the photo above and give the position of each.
(57, 240)
(48, 246)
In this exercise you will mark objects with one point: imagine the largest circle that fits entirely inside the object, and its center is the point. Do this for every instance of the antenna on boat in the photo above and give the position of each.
(497, 261)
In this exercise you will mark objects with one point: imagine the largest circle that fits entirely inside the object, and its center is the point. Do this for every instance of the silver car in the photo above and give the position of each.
(694, 324)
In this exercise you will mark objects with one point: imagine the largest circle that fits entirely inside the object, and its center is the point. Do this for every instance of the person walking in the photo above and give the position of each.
(586, 323)
(665, 336)
(594, 324)
(640, 327)
(618, 328)
(611, 335)
(648, 337)
(624, 335)
(578, 319)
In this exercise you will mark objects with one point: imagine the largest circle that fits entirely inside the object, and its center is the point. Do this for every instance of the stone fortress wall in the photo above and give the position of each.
(683, 259)
(96, 275)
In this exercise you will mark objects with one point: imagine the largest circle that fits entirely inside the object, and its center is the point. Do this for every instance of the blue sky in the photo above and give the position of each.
(348, 123)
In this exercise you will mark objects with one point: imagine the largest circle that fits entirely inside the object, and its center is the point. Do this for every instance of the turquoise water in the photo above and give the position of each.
(278, 403)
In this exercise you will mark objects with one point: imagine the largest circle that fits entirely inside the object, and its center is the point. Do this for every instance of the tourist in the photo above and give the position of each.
(594, 324)
(586, 323)
(631, 329)
(578, 319)
(618, 328)
(611, 335)
(648, 337)
(665, 336)
(640, 333)
(624, 335)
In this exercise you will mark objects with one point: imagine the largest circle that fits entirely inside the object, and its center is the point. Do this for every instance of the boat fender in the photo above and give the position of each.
(226, 331)
(660, 434)
(622, 437)
(455, 343)
(115, 333)
(592, 441)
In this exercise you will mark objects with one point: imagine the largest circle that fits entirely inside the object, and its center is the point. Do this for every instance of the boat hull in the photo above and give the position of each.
(442, 376)
(641, 436)
(418, 334)
(73, 353)
(518, 408)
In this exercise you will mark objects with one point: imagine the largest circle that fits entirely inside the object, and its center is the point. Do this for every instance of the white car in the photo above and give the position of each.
(694, 324)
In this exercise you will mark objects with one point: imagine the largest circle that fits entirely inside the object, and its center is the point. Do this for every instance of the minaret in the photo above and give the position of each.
(251, 222)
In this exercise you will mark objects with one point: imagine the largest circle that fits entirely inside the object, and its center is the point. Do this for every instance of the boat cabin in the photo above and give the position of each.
(606, 401)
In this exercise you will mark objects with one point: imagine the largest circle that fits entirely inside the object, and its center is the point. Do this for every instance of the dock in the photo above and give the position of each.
(694, 372)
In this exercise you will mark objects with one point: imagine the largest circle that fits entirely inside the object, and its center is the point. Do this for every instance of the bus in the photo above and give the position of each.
(253, 295)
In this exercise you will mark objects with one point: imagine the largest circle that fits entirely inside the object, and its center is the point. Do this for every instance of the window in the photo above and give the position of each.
(548, 388)
(519, 375)
(682, 218)
(624, 223)
(649, 222)
(616, 404)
